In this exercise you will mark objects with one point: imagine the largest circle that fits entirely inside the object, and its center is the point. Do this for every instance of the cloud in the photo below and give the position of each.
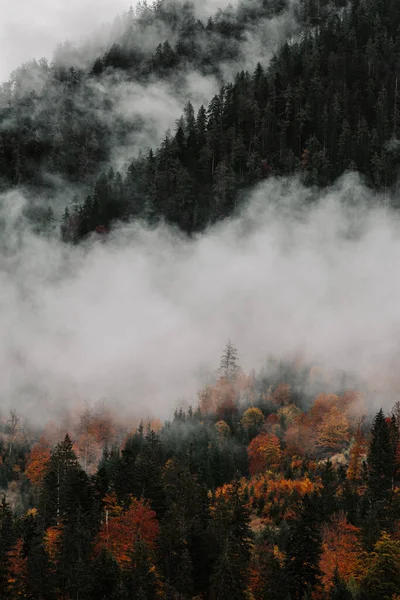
(33, 28)
(139, 318)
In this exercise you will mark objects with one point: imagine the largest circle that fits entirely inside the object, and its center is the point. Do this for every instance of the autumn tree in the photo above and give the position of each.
(223, 429)
(252, 421)
(358, 454)
(342, 554)
(17, 572)
(333, 432)
(264, 453)
(38, 461)
(122, 528)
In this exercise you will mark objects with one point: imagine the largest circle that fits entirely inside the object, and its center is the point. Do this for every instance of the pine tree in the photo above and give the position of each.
(380, 460)
(304, 550)
(67, 514)
(339, 589)
(7, 539)
(229, 367)
(230, 529)
(104, 576)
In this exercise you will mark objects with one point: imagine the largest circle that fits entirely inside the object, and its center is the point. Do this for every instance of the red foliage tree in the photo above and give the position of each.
(122, 529)
(341, 550)
(264, 453)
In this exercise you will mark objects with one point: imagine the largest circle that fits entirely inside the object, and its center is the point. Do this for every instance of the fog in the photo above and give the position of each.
(33, 28)
(139, 318)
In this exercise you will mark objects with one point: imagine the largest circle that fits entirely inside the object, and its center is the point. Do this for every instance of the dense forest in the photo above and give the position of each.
(261, 491)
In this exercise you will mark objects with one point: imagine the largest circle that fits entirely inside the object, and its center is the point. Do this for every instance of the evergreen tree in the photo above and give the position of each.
(7, 540)
(303, 550)
(229, 367)
(233, 542)
(339, 589)
(380, 460)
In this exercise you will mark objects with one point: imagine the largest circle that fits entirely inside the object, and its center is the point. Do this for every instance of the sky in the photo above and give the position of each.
(33, 28)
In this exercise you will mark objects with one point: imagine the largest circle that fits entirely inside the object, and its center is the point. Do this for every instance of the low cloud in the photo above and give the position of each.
(140, 317)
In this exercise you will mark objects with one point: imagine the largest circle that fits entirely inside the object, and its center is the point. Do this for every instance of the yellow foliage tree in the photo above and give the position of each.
(223, 429)
(357, 455)
(252, 417)
(333, 432)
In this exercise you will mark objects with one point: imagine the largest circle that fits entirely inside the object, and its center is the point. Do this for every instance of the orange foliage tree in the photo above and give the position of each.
(276, 499)
(341, 551)
(38, 460)
(52, 542)
(123, 529)
(264, 453)
(17, 572)
(357, 456)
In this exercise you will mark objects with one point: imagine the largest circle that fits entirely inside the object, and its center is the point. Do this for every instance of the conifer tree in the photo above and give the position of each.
(230, 529)
(380, 460)
(304, 550)
(7, 540)
(229, 362)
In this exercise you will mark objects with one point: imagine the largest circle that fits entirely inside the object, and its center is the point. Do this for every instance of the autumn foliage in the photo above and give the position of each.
(38, 460)
(264, 453)
(52, 542)
(341, 551)
(123, 528)
(17, 571)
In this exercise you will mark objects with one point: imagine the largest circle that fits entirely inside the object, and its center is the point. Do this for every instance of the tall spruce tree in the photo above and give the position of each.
(380, 460)
(304, 547)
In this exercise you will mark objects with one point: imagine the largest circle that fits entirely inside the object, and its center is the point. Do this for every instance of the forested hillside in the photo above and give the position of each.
(258, 492)
(281, 483)
(326, 103)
